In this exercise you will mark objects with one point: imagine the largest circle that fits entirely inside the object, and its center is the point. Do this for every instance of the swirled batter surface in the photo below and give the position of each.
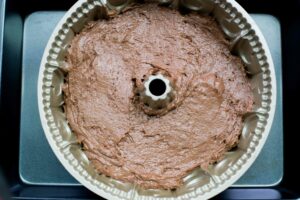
(107, 64)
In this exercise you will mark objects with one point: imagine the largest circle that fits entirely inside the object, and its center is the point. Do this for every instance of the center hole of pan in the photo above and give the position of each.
(157, 87)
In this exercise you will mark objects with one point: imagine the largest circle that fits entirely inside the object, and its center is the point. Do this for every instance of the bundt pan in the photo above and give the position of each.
(246, 41)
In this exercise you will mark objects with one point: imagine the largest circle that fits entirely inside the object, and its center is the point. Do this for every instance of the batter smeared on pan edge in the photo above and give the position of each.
(108, 64)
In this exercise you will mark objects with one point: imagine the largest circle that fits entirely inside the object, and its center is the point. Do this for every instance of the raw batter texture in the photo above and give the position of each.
(107, 64)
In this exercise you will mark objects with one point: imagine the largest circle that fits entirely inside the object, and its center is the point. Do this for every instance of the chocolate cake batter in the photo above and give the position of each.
(108, 63)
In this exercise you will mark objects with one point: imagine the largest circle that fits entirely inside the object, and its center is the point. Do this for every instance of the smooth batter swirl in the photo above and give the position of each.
(107, 64)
